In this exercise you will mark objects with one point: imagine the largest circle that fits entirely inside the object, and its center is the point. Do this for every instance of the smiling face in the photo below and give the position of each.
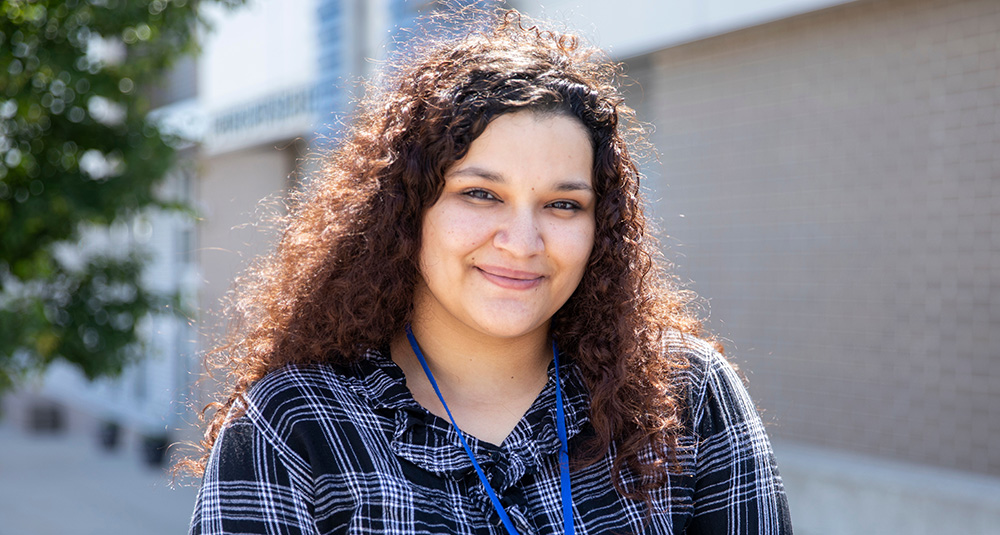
(508, 241)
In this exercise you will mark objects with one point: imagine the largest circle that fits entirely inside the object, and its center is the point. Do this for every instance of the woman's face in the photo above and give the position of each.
(508, 241)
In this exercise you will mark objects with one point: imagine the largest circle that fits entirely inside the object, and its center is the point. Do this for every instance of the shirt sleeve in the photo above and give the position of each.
(248, 487)
(737, 486)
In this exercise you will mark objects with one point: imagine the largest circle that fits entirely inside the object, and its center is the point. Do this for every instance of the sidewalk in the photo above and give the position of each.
(66, 485)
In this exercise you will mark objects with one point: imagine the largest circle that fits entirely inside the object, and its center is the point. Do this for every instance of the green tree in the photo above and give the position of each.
(79, 151)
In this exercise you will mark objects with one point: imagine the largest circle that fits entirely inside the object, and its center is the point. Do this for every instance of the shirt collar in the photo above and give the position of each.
(432, 443)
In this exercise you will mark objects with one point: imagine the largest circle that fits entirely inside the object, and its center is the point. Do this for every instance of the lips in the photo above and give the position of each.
(511, 279)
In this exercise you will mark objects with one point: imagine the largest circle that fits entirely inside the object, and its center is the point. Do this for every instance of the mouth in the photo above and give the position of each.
(509, 278)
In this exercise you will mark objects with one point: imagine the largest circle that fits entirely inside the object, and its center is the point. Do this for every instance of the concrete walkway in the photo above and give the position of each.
(66, 485)
(835, 492)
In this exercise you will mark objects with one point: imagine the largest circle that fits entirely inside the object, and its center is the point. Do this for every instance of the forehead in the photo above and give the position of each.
(530, 143)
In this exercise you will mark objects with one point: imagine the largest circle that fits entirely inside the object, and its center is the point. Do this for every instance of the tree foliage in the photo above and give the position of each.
(78, 150)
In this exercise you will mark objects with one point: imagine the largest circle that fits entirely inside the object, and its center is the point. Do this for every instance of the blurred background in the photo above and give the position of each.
(827, 179)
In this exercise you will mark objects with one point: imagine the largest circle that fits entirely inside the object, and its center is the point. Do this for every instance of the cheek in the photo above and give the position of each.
(582, 254)
(574, 247)
(450, 232)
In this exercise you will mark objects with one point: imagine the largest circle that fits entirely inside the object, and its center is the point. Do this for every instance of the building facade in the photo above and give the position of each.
(828, 183)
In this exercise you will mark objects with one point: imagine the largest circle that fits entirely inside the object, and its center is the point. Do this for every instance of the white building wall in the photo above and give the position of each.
(264, 47)
(257, 74)
(630, 27)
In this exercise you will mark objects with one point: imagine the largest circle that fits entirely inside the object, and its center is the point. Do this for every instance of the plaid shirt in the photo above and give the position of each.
(322, 449)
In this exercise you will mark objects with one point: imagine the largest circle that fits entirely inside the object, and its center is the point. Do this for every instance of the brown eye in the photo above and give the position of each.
(565, 205)
(480, 194)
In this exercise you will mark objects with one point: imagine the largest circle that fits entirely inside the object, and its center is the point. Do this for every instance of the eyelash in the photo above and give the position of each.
(480, 194)
(569, 205)
(483, 195)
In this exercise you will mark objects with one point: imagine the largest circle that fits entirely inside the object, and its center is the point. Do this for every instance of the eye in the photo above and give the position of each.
(566, 205)
(480, 194)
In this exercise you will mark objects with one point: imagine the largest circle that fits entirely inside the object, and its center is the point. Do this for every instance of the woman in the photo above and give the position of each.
(464, 328)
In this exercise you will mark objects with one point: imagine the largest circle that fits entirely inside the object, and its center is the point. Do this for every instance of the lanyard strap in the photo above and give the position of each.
(567, 496)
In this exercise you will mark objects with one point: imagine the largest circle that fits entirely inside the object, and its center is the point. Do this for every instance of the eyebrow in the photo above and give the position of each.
(486, 174)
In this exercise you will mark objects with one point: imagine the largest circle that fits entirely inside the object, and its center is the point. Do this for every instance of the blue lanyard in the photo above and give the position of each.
(567, 496)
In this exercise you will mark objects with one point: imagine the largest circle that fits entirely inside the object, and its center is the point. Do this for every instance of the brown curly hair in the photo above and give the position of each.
(343, 275)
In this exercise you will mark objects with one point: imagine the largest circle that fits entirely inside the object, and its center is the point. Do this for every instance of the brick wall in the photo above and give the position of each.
(831, 185)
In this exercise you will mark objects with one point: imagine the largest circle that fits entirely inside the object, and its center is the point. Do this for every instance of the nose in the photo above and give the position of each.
(519, 234)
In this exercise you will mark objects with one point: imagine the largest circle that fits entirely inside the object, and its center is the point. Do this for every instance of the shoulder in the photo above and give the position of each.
(297, 384)
(713, 390)
(297, 400)
(698, 359)
(737, 488)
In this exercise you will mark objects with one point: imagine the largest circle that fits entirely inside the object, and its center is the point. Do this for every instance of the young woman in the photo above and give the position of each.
(465, 329)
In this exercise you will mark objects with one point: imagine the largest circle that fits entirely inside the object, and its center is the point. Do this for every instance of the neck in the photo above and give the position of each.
(488, 383)
(475, 366)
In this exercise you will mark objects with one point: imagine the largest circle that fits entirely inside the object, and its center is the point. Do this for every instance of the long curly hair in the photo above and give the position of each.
(342, 278)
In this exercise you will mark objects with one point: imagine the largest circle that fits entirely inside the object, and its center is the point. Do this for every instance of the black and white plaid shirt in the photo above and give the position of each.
(325, 450)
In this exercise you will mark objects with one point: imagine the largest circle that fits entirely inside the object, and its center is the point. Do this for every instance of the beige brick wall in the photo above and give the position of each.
(831, 184)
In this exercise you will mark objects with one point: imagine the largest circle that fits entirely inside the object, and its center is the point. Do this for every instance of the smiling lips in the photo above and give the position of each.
(510, 279)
